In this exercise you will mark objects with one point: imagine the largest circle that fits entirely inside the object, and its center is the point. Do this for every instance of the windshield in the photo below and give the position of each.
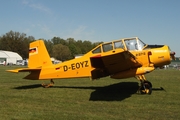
(134, 44)
(141, 44)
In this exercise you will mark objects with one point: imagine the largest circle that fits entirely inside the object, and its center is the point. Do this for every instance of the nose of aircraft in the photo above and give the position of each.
(161, 56)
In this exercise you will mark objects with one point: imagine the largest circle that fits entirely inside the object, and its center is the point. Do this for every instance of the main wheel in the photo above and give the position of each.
(146, 87)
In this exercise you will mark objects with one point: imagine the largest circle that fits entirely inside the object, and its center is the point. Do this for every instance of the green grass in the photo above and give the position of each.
(80, 99)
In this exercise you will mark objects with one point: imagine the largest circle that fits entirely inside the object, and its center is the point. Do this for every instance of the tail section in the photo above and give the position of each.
(38, 55)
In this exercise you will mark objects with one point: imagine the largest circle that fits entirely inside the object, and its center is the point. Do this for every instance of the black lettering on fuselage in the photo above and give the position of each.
(82, 64)
(75, 66)
(140, 54)
(86, 63)
(65, 67)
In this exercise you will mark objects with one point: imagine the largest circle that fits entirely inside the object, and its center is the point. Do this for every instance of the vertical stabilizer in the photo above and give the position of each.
(38, 55)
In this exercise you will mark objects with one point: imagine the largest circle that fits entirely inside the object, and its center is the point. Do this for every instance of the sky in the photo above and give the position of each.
(153, 21)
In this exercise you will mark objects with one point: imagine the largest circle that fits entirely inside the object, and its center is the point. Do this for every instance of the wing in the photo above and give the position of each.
(114, 63)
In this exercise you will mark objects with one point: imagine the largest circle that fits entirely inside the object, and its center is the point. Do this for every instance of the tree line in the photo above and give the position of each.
(59, 48)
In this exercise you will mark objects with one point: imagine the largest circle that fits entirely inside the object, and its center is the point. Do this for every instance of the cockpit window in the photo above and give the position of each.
(107, 47)
(134, 44)
(97, 50)
(131, 44)
(118, 44)
(141, 44)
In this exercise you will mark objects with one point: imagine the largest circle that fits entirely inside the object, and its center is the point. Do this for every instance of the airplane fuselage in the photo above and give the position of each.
(118, 59)
(148, 56)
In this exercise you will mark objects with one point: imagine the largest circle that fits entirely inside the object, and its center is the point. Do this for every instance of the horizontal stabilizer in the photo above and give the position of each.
(24, 70)
(34, 72)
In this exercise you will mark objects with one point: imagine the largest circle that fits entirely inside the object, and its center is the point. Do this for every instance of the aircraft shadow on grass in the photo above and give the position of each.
(114, 92)
(159, 89)
(28, 86)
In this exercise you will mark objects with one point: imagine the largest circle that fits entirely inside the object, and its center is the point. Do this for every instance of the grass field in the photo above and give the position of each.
(81, 99)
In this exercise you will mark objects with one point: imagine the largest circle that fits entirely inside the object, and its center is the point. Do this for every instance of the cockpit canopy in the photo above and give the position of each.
(126, 44)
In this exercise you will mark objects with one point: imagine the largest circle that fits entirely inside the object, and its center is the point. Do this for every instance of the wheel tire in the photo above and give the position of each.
(148, 87)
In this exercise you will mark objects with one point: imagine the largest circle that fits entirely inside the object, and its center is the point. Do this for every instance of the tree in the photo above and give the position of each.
(96, 44)
(19, 42)
(71, 41)
(74, 50)
(61, 52)
(58, 40)
(49, 46)
(87, 46)
(16, 42)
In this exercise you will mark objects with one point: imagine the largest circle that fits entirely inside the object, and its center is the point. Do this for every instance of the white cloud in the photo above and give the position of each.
(25, 2)
(41, 8)
(80, 33)
(37, 6)
(47, 31)
(40, 31)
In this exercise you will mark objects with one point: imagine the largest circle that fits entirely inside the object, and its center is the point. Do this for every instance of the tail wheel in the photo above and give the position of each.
(48, 85)
(146, 87)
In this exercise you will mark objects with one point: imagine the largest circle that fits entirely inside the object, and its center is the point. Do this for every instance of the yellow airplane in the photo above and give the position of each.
(119, 59)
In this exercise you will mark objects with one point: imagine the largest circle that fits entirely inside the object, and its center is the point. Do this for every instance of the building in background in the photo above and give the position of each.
(9, 58)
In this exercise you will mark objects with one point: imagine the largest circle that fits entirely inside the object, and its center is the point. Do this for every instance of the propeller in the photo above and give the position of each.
(172, 54)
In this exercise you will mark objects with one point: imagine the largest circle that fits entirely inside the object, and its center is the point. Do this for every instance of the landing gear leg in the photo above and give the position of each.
(48, 85)
(146, 86)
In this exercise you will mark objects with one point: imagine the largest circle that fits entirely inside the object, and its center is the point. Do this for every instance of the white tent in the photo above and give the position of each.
(8, 57)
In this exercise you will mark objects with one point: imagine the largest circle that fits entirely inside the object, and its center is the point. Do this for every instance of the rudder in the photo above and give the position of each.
(38, 55)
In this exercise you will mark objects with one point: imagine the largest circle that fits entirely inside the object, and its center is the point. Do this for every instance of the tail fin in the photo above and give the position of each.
(38, 55)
